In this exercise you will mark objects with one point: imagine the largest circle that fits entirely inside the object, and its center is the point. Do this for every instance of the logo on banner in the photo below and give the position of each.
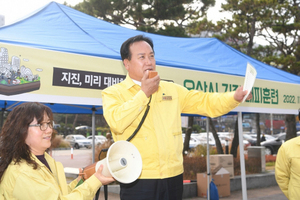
(16, 79)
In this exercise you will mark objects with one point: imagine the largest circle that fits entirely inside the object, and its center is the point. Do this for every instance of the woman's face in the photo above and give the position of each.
(39, 140)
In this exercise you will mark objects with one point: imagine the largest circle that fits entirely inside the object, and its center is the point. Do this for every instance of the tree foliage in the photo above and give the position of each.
(281, 29)
(277, 22)
(166, 17)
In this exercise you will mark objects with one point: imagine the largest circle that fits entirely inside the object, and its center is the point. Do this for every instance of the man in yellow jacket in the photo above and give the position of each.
(159, 139)
(287, 168)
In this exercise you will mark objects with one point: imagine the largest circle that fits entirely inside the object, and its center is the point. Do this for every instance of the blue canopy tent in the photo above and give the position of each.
(58, 28)
(65, 58)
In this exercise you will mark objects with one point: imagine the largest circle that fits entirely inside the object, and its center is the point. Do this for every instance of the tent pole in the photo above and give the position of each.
(207, 160)
(271, 120)
(3, 109)
(93, 134)
(242, 156)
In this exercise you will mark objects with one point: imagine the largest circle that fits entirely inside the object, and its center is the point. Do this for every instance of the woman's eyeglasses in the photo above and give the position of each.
(43, 126)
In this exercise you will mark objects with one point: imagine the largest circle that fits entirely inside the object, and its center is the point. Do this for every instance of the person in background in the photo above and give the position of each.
(26, 170)
(159, 139)
(287, 168)
(263, 138)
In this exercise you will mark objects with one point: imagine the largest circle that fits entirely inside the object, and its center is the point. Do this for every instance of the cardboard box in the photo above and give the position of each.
(231, 171)
(221, 180)
(226, 160)
(223, 160)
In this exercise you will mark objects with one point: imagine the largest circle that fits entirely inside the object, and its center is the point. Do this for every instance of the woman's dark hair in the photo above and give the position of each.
(125, 51)
(14, 133)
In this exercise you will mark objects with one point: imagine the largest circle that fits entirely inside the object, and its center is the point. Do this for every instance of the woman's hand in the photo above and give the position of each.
(103, 179)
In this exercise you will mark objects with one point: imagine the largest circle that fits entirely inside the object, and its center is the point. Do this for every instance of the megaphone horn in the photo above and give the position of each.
(123, 162)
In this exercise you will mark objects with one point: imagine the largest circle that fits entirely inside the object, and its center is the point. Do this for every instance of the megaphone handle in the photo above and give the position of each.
(97, 194)
(102, 150)
(105, 192)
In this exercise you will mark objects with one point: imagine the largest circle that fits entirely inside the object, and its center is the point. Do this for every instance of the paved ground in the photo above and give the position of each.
(83, 157)
(269, 193)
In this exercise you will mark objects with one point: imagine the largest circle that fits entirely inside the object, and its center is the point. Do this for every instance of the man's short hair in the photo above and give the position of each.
(124, 50)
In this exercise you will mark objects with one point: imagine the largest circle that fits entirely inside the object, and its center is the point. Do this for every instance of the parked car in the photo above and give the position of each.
(56, 126)
(267, 137)
(202, 137)
(224, 138)
(193, 141)
(83, 127)
(280, 136)
(250, 139)
(274, 142)
(99, 139)
(78, 141)
(283, 135)
(272, 146)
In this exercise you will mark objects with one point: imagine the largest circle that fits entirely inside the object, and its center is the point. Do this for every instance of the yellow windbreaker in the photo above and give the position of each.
(22, 182)
(160, 138)
(287, 168)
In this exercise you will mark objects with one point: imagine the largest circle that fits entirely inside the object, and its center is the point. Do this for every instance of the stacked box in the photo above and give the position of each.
(221, 180)
(223, 160)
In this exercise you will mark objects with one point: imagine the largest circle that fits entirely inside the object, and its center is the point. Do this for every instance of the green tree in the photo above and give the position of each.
(216, 137)
(166, 17)
(238, 32)
(281, 29)
(275, 21)
(186, 142)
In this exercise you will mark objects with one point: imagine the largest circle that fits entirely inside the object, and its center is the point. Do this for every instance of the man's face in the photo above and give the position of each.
(142, 59)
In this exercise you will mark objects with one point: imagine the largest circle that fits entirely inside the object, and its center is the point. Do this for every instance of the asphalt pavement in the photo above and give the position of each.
(83, 157)
(268, 193)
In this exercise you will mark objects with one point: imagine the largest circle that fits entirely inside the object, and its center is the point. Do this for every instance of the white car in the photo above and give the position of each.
(83, 127)
(99, 139)
(195, 141)
(78, 141)
(268, 137)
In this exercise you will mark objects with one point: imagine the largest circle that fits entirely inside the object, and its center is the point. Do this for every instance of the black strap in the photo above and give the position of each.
(128, 140)
(141, 122)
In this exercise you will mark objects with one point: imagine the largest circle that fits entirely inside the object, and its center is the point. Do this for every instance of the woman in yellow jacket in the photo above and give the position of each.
(287, 168)
(26, 170)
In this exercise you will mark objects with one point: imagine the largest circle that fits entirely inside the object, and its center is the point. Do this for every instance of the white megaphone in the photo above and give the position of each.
(123, 162)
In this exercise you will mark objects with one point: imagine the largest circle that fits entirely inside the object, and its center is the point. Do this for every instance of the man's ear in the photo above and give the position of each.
(126, 63)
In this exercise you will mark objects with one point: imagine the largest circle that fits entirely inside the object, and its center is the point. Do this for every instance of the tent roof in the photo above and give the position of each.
(58, 108)
(61, 28)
